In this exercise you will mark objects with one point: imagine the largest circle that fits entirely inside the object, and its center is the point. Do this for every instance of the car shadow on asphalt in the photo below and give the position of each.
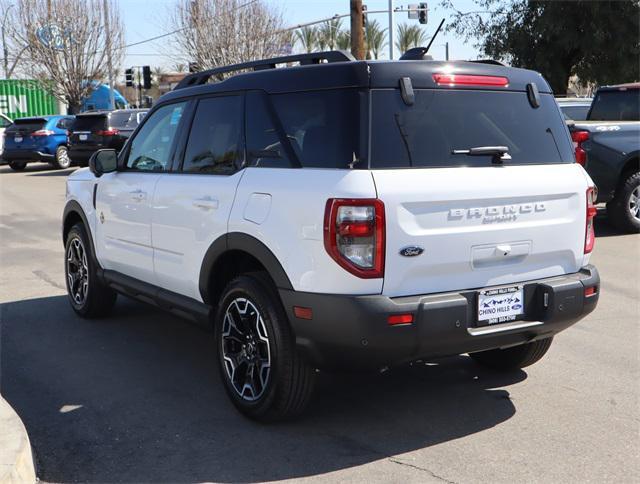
(136, 397)
(38, 169)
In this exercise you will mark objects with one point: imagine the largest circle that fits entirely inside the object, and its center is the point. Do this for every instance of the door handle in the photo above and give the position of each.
(206, 203)
(138, 195)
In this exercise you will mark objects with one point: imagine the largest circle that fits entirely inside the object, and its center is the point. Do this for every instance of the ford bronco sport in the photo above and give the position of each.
(342, 214)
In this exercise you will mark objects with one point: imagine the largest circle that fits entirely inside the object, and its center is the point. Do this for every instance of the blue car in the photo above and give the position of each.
(41, 138)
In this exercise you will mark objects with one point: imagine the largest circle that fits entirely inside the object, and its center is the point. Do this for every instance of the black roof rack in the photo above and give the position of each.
(199, 78)
(492, 62)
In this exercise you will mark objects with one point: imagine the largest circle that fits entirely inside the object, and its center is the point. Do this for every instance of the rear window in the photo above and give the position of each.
(575, 113)
(90, 123)
(441, 121)
(120, 120)
(616, 106)
(26, 125)
(323, 127)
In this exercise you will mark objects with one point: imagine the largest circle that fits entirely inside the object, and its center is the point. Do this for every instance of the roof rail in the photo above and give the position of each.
(199, 78)
(492, 62)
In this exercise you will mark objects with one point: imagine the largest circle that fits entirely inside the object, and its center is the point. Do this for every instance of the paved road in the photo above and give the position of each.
(137, 397)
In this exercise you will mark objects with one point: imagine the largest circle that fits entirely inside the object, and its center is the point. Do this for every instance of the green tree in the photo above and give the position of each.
(375, 37)
(410, 36)
(597, 41)
(307, 37)
(328, 33)
(343, 42)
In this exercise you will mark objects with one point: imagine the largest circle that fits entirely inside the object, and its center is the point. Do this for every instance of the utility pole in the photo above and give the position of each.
(446, 49)
(112, 102)
(357, 30)
(391, 24)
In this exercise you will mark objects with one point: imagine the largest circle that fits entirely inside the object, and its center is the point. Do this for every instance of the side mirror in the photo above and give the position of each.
(103, 161)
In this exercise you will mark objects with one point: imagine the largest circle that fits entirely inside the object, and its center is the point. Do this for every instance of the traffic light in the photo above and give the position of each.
(422, 15)
(146, 77)
(128, 76)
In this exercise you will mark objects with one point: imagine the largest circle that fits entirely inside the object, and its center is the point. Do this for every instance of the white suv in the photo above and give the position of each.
(342, 214)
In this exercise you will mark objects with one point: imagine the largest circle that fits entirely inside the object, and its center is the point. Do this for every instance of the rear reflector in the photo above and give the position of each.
(453, 80)
(400, 319)
(590, 291)
(590, 234)
(303, 313)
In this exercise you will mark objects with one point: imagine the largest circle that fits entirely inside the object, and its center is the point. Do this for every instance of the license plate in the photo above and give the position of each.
(500, 305)
(18, 139)
(83, 137)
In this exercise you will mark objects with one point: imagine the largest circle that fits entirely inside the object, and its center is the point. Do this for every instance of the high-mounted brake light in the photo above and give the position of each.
(354, 235)
(578, 138)
(107, 132)
(590, 234)
(42, 132)
(453, 80)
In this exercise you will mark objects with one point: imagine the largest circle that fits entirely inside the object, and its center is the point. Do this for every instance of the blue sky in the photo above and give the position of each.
(148, 18)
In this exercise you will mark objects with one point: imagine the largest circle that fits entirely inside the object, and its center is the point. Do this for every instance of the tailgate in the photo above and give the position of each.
(481, 226)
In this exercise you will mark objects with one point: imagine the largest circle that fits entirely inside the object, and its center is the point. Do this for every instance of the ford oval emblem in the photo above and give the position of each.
(411, 251)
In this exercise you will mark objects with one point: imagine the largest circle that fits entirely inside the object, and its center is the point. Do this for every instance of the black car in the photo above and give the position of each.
(101, 129)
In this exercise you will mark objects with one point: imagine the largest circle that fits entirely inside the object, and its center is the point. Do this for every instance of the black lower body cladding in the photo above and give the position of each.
(352, 332)
(26, 155)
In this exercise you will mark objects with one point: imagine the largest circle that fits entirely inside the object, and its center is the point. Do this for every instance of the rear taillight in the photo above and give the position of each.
(107, 132)
(42, 132)
(590, 234)
(578, 138)
(354, 235)
(453, 80)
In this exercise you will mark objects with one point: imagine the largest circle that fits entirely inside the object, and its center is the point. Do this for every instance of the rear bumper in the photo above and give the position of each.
(352, 331)
(26, 155)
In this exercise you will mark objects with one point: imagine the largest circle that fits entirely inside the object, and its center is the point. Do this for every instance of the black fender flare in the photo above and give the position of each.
(74, 207)
(245, 243)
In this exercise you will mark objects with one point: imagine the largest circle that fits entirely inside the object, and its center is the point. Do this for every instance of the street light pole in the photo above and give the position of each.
(391, 23)
(112, 101)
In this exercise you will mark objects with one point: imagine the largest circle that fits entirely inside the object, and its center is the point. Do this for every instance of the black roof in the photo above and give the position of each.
(354, 74)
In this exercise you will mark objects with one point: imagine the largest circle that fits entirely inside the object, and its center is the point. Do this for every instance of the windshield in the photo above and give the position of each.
(622, 105)
(440, 121)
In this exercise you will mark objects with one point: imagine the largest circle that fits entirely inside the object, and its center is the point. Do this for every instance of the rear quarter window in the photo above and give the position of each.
(440, 121)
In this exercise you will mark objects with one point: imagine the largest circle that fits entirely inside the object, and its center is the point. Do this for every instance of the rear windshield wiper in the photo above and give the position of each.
(498, 153)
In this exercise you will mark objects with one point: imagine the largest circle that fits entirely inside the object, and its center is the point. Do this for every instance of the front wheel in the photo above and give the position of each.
(17, 165)
(624, 209)
(513, 358)
(263, 373)
(89, 298)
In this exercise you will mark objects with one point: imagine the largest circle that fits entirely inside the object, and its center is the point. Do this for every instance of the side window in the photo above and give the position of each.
(64, 123)
(214, 144)
(264, 139)
(151, 148)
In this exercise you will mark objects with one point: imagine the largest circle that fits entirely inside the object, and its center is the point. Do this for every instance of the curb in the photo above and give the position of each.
(16, 459)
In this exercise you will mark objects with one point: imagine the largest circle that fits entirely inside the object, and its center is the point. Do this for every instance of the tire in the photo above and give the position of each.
(62, 159)
(89, 298)
(17, 165)
(624, 209)
(513, 358)
(252, 331)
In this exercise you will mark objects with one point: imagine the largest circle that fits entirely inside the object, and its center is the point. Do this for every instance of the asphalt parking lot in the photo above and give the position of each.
(137, 397)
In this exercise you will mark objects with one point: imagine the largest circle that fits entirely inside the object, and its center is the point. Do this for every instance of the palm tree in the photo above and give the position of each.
(308, 37)
(179, 67)
(409, 36)
(343, 42)
(328, 33)
(376, 38)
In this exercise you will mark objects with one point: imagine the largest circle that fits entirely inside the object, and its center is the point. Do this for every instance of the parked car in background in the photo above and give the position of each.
(607, 144)
(102, 129)
(4, 124)
(41, 139)
(575, 108)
